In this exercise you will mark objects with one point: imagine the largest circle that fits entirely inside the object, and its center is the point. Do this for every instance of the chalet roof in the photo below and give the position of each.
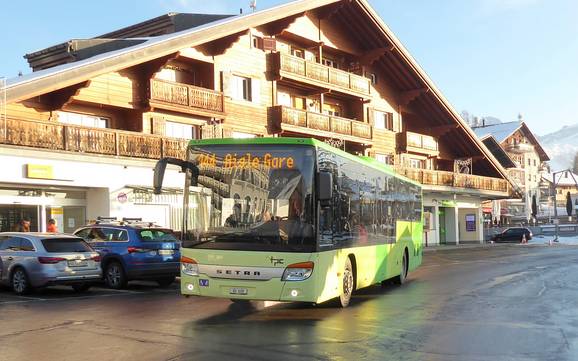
(494, 146)
(393, 58)
(566, 178)
(502, 131)
(79, 49)
(499, 131)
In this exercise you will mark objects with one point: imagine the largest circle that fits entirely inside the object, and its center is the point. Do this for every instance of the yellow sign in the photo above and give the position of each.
(248, 160)
(37, 171)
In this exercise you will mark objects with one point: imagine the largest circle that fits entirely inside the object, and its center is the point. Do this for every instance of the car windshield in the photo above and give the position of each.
(157, 235)
(252, 197)
(63, 245)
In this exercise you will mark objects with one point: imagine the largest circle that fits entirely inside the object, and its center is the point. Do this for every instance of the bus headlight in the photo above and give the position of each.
(189, 266)
(298, 271)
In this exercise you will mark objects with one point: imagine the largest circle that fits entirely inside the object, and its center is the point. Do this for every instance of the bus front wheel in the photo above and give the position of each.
(347, 290)
(400, 280)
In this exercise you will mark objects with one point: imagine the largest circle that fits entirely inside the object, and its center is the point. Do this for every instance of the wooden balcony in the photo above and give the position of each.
(450, 179)
(184, 97)
(417, 143)
(289, 66)
(301, 121)
(77, 139)
(520, 148)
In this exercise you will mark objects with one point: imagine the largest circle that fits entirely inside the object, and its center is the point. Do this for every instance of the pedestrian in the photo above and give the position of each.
(51, 228)
(23, 225)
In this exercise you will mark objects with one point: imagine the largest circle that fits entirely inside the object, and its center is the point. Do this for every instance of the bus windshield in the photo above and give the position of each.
(251, 197)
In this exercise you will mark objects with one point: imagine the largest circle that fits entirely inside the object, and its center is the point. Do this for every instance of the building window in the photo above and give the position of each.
(330, 63)
(534, 162)
(241, 88)
(332, 109)
(180, 130)
(82, 120)
(300, 53)
(416, 163)
(384, 158)
(383, 120)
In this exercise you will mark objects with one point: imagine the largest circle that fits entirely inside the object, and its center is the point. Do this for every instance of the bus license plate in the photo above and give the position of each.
(77, 263)
(238, 291)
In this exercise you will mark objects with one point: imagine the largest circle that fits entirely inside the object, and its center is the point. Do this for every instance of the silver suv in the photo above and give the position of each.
(32, 260)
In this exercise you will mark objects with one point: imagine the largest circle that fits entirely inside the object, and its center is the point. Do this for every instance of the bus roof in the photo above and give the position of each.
(368, 161)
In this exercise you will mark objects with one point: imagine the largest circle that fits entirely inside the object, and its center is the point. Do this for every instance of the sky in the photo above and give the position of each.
(495, 58)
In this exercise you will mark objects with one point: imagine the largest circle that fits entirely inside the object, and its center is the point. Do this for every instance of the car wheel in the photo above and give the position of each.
(166, 282)
(19, 281)
(348, 284)
(81, 287)
(400, 280)
(114, 276)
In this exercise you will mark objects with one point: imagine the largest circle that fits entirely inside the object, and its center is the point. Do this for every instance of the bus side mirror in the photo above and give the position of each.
(159, 175)
(325, 188)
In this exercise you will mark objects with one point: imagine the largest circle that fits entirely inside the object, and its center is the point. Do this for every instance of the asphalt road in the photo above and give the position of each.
(500, 303)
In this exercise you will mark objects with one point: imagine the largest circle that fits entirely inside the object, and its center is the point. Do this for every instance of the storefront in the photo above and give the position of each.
(74, 189)
(452, 219)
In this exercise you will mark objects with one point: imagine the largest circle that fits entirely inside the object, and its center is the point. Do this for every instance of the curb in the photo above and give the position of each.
(479, 246)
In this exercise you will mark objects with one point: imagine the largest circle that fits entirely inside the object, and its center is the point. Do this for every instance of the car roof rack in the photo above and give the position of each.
(125, 221)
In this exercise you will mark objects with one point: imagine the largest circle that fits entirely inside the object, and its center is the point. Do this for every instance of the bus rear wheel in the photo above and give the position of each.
(347, 289)
(400, 280)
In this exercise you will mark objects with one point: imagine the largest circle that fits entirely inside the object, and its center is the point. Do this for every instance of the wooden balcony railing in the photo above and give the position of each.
(185, 95)
(450, 179)
(320, 73)
(286, 115)
(415, 142)
(72, 138)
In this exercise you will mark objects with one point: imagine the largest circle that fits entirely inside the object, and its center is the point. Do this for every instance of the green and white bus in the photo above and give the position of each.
(292, 219)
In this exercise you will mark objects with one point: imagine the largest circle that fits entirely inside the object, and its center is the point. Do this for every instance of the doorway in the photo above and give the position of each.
(442, 225)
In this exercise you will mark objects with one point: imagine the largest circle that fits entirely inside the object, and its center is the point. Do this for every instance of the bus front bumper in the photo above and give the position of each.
(271, 290)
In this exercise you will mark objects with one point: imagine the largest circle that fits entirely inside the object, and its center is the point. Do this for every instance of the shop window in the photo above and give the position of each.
(83, 120)
(180, 130)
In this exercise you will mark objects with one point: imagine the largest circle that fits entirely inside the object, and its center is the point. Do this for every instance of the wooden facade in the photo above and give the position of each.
(323, 71)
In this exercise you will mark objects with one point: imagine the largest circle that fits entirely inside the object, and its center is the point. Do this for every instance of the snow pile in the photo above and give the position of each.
(568, 240)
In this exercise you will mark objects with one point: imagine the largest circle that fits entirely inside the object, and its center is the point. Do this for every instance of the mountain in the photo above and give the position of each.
(561, 146)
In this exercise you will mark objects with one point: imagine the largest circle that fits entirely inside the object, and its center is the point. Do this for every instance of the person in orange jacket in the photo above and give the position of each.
(51, 226)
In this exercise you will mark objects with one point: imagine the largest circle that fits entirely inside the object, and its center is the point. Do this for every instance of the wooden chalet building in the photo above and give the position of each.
(83, 130)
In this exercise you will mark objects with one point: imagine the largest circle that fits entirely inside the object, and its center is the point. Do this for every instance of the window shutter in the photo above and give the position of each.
(397, 123)
(371, 116)
(394, 122)
(255, 91)
(226, 78)
(269, 44)
(158, 125)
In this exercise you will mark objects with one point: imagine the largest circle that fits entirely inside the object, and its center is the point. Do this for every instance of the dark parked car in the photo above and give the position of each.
(134, 251)
(513, 234)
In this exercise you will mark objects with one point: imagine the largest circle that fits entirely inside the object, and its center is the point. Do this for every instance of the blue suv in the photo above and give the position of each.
(134, 251)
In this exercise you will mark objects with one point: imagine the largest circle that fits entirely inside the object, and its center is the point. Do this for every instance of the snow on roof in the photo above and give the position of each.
(499, 131)
(565, 178)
